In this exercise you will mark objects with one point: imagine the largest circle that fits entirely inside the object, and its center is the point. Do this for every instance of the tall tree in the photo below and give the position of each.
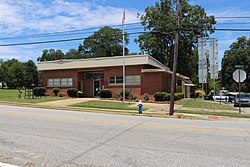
(51, 54)
(30, 74)
(239, 53)
(104, 43)
(14, 73)
(159, 21)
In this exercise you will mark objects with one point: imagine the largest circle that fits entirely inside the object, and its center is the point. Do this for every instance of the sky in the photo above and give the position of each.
(32, 17)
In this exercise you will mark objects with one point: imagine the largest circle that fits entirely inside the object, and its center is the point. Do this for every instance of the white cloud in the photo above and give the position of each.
(18, 18)
(59, 15)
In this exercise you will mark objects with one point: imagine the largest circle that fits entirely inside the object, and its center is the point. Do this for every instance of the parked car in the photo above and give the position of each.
(244, 100)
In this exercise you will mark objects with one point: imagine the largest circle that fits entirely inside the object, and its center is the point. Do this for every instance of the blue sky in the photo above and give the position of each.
(27, 17)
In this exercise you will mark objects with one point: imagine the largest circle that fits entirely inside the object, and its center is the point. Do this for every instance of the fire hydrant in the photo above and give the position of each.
(140, 107)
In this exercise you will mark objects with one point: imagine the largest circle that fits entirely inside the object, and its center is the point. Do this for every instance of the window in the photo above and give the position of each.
(179, 83)
(95, 75)
(111, 80)
(56, 81)
(52, 82)
(130, 80)
(119, 80)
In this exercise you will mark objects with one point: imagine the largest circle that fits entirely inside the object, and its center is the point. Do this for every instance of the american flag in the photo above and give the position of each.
(123, 17)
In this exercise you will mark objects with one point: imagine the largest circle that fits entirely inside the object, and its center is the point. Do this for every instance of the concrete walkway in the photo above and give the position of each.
(66, 102)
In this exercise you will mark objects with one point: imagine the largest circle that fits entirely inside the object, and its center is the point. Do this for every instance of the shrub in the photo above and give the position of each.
(178, 96)
(105, 93)
(126, 94)
(56, 91)
(72, 92)
(146, 96)
(39, 91)
(132, 97)
(162, 96)
(61, 94)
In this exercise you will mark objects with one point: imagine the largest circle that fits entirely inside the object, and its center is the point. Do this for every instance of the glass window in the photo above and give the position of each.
(119, 79)
(137, 79)
(112, 80)
(64, 81)
(50, 82)
(179, 83)
(70, 81)
(56, 81)
(88, 76)
(129, 79)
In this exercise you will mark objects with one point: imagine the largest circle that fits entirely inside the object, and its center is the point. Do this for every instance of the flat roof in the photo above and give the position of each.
(100, 62)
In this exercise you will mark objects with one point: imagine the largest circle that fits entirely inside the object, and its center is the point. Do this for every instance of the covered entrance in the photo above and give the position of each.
(91, 83)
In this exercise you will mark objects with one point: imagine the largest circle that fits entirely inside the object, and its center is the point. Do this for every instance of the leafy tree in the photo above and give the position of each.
(31, 74)
(52, 54)
(14, 77)
(159, 21)
(239, 53)
(104, 43)
(73, 54)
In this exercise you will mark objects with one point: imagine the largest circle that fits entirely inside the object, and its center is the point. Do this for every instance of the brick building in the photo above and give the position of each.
(144, 74)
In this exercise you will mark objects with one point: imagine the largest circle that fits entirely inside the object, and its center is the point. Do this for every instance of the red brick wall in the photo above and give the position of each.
(151, 82)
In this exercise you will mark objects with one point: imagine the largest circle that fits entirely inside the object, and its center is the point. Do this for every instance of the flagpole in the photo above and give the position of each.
(123, 56)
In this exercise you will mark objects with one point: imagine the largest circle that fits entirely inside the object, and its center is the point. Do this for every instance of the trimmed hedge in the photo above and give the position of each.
(56, 91)
(178, 96)
(39, 91)
(164, 96)
(72, 92)
(105, 93)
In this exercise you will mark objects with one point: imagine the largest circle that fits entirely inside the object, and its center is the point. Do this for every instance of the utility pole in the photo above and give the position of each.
(173, 82)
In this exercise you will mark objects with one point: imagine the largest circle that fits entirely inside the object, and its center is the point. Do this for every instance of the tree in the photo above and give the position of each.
(159, 21)
(14, 73)
(73, 54)
(104, 43)
(30, 74)
(239, 53)
(52, 54)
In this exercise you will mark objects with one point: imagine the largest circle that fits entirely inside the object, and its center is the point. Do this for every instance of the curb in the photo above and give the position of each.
(7, 165)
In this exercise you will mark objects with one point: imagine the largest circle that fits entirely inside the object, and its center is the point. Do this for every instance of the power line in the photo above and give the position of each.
(61, 33)
(68, 40)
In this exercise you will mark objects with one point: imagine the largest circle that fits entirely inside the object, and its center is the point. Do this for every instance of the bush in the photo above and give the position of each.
(162, 96)
(61, 94)
(72, 92)
(126, 94)
(56, 91)
(178, 96)
(39, 91)
(132, 97)
(146, 96)
(105, 93)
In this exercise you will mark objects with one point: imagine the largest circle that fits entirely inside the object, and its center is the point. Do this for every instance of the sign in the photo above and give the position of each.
(239, 66)
(239, 75)
(213, 58)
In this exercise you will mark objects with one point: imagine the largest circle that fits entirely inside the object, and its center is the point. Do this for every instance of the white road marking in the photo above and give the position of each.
(7, 165)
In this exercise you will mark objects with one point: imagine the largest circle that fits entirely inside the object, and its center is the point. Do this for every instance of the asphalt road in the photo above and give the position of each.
(55, 138)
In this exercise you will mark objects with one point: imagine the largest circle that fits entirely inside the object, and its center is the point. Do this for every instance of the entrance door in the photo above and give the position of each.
(97, 87)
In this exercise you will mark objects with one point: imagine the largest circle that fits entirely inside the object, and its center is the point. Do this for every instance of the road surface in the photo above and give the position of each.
(55, 138)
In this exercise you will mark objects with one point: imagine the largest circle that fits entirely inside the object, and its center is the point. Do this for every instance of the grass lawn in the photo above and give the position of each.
(11, 95)
(106, 105)
(229, 114)
(192, 103)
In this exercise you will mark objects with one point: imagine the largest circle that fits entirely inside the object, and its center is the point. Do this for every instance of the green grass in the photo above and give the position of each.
(106, 105)
(229, 114)
(11, 95)
(192, 103)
